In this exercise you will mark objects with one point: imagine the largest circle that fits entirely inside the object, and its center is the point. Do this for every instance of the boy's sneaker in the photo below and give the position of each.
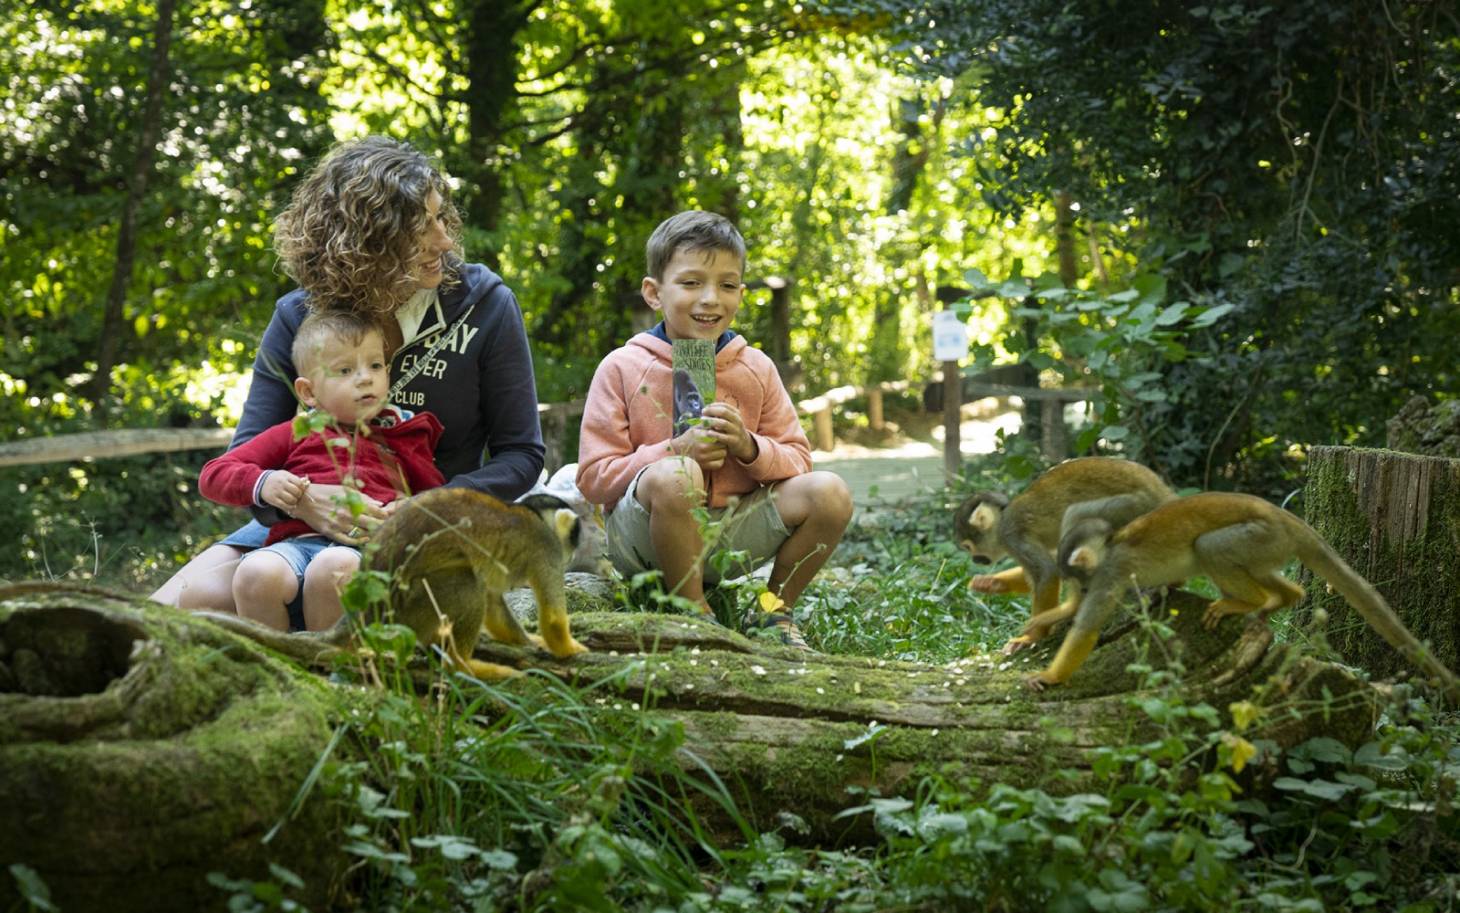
(780, 625)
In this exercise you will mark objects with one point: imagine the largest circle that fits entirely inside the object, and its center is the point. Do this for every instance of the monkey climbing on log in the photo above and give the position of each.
(451, 553)
(988, 525)
(1241, 543)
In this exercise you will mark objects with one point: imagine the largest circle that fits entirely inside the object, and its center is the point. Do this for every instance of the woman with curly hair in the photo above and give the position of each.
(372, 230)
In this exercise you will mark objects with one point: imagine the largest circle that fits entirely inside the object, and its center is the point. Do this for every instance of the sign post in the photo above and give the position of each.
(950, 345)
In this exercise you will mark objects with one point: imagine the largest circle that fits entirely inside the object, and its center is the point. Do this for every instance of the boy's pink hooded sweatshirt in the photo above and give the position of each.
(628, 414)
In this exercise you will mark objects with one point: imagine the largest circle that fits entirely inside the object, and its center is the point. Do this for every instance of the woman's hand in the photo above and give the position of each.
(326, 508)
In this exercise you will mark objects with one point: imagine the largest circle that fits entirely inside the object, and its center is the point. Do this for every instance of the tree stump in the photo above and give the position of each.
(1395, 517)
(141, 749)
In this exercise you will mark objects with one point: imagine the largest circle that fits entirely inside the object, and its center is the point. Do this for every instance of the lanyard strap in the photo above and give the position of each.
(445, 337)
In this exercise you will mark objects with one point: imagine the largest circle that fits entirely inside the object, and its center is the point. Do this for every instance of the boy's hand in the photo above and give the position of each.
(724, 424)
(699, 445)
(283, 489)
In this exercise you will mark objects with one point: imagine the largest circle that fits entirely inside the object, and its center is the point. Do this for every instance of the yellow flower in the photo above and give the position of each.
(1244, 713)
(1240, 749)
(770, 602)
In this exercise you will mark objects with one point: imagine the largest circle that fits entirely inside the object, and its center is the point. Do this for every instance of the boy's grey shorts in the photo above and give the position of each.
(753, 525)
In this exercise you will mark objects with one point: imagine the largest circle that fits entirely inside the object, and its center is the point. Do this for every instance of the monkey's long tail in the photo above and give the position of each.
(1320, 557)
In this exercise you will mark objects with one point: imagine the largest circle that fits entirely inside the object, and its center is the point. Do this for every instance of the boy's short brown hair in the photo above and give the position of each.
(695, 230)
(322, 326)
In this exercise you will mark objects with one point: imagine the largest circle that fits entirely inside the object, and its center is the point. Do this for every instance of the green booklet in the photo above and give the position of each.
(693, 361)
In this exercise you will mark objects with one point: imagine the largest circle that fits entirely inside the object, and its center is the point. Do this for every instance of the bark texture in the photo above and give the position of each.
(790, 731)
(141, 749)
(182, 744)
(1395, 517)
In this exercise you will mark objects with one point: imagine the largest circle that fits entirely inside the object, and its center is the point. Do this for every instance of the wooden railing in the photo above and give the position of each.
(556, 419)
(1054, 442)
(96, 445)
(89, 445)
(821, 408)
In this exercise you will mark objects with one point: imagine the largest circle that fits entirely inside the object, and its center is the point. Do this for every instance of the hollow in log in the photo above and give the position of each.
(141, 749)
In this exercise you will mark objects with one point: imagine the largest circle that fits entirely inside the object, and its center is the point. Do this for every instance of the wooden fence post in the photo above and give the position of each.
(780, 339)
(1054, 440)
(952, 408)
(874, 408)
(554, 417)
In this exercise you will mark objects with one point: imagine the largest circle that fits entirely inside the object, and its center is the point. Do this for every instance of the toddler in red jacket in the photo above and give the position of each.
(293, 582)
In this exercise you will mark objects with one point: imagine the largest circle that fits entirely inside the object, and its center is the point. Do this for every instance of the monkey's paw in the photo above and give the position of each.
(1220, 609)
(987, 583)
(1015, 644)
(566, 647)
(1041, 681)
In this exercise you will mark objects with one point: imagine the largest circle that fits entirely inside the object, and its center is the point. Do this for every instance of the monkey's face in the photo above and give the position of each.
(976, 526)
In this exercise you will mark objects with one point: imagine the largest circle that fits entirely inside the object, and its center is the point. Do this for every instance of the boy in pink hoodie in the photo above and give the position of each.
(748, 460)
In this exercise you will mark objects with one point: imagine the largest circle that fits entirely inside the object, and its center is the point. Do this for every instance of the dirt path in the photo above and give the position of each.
(913, 466)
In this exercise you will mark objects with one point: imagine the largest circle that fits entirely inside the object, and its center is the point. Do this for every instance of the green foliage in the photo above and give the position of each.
(239, 114)
(1121, 343)
(1297, 161)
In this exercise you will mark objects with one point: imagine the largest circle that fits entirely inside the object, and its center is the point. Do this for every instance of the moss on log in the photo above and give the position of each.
(791, 731)
(213, 739)
(141, 749)
(1395, 517)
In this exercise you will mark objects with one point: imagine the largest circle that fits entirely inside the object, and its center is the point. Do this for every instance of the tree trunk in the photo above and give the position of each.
(490, 48)
(116, 296)
(789, 731)
(793, 730)
(1395, 517)
(141, 749)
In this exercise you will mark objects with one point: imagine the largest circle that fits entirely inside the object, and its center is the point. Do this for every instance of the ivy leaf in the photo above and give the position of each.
(35, 891)
(1013, 288)
(1325, 749)
(452, 847)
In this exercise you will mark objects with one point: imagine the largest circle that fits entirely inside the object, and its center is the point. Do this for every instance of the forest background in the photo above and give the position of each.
(1240, 220)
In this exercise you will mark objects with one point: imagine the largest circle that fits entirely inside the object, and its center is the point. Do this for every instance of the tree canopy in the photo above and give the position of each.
(1289, 170)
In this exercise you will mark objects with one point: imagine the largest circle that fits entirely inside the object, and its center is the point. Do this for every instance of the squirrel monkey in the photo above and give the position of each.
(1241, 543)
(989, 525)
(451, 553)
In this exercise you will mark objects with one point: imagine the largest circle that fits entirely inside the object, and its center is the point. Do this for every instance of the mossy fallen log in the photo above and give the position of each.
(142, 749)
(787, 731)
(791, 731)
